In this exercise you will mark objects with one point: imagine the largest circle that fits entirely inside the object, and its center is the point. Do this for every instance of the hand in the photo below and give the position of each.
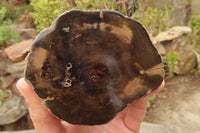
(127, 121)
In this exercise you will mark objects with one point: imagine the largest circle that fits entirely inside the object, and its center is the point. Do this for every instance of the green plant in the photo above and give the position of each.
(95, 5)
(13, 12)
(195, 25)
(8, 11)
(151, 98)
(195, 36)
(172, 60)
(46, 11)
(198, 67)
(7, 36)
(2, 13)
(1, 97)
(21, 9)
(155, 20)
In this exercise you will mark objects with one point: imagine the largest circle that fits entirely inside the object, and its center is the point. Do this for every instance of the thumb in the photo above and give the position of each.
(42, 119)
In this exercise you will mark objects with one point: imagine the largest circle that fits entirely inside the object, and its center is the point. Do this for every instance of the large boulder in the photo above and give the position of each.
(18, 51)
(173, 33)
(12, 109)
(176, 40)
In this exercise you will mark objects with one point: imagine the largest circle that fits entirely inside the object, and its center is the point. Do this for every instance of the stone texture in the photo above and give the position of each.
(153, 40)
(161, 49)
(18, 51)
(24, 131)
(173, 33)
(12, 110)
(18, 27)
(59, 59)
(26, 34)
(187, 59)
(3, 62)
(16, 69)
(153, 128)
(176, 40)
(7, 81)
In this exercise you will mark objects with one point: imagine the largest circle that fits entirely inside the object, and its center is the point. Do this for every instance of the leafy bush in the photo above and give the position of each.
(46, 11)
(155, 20)
(9, 11)
(7, 36)
(2, 13)
(195, 25)
(195, 36)
(95, 5)
(13, 12)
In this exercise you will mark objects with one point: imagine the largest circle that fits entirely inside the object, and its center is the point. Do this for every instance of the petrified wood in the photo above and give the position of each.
(90, 64)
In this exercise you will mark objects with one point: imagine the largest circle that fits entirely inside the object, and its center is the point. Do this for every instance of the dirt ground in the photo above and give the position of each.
(177, 107)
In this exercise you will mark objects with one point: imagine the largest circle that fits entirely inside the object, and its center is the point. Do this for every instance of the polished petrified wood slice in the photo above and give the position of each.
(89, 65)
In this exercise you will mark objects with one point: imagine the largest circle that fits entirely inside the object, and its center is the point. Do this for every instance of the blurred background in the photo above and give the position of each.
(173, 26)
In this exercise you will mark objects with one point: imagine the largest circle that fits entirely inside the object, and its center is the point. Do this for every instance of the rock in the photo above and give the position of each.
(18, 27)
(12, 110)
(173, 33)
(161, 49)
(153, 40)
(91, 65)
(153, 128)
(198, 58)
(3, 62)
(24, 131)
(26, 18)
(186, 56)
(187, 61)
(26, 34)
(3, 55)
(6, 81)
(17, 69)
(176, 40)
(18, 51)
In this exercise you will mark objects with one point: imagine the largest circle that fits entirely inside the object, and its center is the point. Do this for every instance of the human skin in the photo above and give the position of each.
(127, 121)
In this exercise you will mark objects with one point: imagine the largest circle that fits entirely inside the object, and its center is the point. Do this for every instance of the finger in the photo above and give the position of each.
(42, 119)
(135, 112)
